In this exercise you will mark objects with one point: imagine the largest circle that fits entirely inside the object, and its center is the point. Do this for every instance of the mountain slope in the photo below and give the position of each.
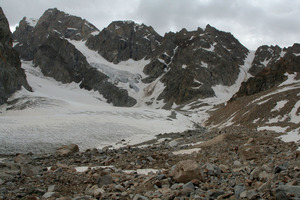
(55, 114)
(177, 68)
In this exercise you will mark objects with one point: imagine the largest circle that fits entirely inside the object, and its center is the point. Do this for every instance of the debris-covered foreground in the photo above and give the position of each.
(235, 163)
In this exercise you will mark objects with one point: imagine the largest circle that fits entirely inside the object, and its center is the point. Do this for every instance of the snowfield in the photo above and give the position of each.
(56, 114)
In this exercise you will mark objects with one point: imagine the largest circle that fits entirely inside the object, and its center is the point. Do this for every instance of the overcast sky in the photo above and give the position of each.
(252, 22)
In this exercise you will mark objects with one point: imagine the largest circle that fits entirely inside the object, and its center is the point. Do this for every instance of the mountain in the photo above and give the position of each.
(46, 44)
(200, 73)
(199, 59)
(12, 76)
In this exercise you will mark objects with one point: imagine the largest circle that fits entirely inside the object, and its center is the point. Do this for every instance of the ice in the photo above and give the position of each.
(56, 114)
(126, 74)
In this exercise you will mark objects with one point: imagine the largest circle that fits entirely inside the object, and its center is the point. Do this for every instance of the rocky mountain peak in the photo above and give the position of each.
(123, 40)
(12, 76)
(5, 34)
(30, 34)
(69, 26)
(265, 56)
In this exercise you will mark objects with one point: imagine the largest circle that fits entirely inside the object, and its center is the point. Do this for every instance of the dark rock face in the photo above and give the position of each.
(196, 61)
(273, 75)
(188, 63)
(59, 59)
(123, 40)
(12, 76)
(265, 56)
(53, 20)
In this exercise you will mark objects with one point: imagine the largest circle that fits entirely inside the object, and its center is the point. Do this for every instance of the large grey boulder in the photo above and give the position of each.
(185, 171)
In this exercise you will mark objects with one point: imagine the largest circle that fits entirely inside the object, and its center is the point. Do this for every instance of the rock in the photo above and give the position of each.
(94, 190)
(212, 169)
(265, 186)
(83, 198)
(67, 150)
(288, 190)
(255, 173)
(238, 189)
(22, 159)
(30, 36)
(50, 195)
(120, 188)
(263, 176)
(237, 164)
(139, 197)
(243, 194)
(185, 171)
(12, 76)
(5, 176)
(173, 143)
(105, 180)
(52, 188)
(188, 187)
(224, 168)
(123, 40)
(279, 168)
(213, 194)
(29, 170)
(251, 194)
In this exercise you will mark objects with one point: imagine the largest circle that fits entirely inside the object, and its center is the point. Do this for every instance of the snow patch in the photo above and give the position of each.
(292, 136)
(295, 118)
(279, 105)
(69, 114)
(187, 151)
(184, 66)
(32, 21)
(204, 64)
(291, 78)
(72, 29)
(277, 129)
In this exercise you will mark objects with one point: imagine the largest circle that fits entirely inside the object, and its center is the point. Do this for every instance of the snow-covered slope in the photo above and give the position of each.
(127, 74)
(276, 109)
(56, 114)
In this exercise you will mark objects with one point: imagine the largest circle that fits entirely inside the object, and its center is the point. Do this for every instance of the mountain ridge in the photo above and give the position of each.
(131, 65)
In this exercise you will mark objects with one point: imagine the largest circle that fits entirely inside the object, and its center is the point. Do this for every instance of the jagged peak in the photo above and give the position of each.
(30, 21)
(115, 25)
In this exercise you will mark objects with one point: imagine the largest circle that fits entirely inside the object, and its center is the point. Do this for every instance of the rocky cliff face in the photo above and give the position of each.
(201, 59)
(123, 40)
(188, 65)
(45, 42)
(274, 73)
(12, 76)
(29, 36)
(265, 56)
